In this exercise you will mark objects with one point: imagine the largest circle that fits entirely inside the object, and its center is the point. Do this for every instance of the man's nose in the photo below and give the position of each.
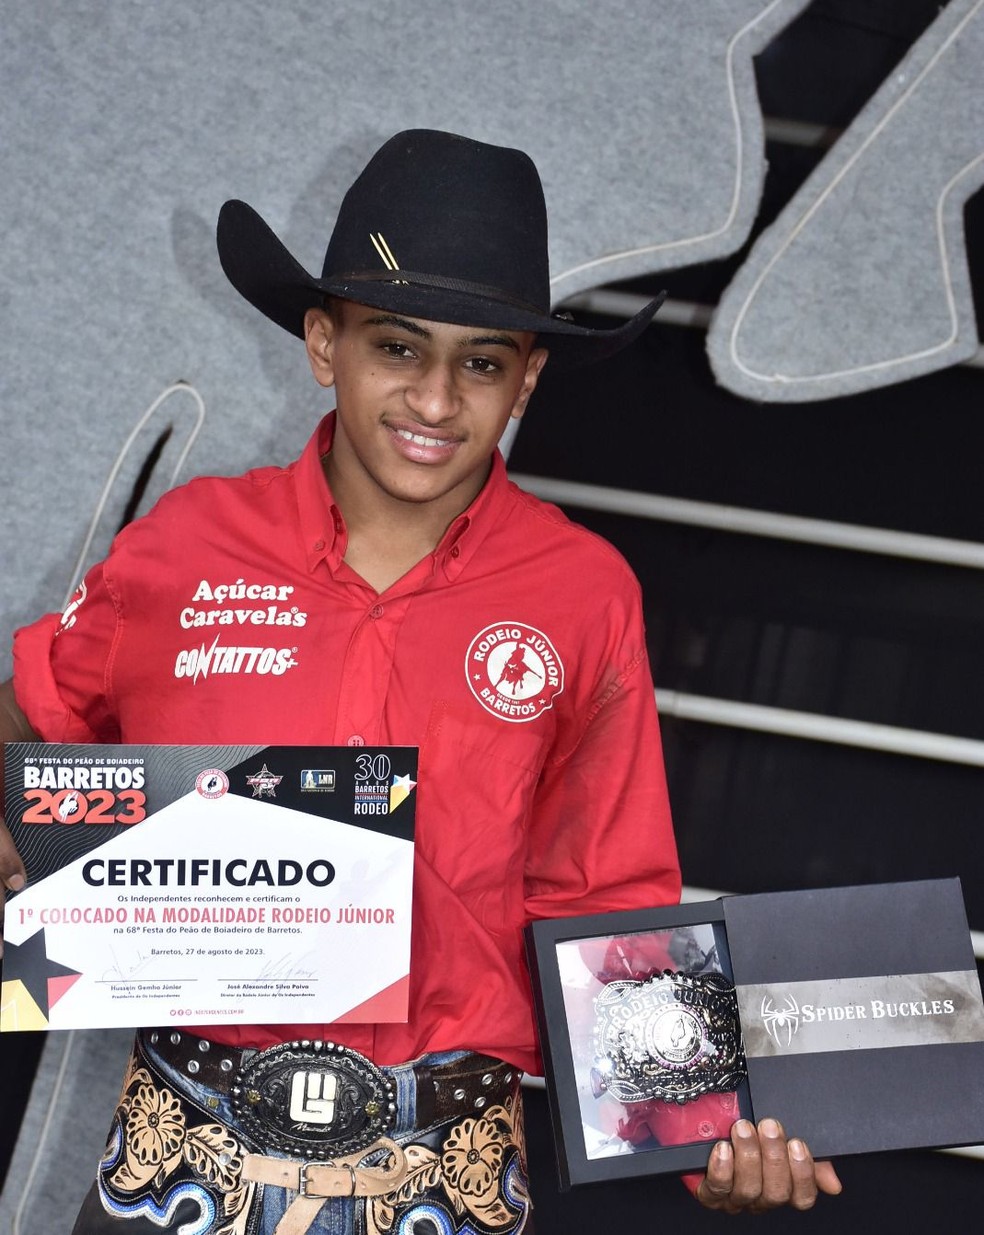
(432, 395)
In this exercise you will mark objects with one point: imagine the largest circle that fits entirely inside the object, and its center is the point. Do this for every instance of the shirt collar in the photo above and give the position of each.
(323, 528)
(466, 534)
(322, 525)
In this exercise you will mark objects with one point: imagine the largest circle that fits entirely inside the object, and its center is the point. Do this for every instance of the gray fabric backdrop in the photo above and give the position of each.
(863, 280)
(128, 122)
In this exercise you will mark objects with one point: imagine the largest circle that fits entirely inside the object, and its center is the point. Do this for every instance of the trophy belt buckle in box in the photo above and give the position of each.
(673, 1036)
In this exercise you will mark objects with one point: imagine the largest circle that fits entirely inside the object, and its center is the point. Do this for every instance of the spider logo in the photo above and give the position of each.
(780, 1023)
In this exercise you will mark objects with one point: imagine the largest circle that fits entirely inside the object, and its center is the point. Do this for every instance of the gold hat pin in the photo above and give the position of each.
(385, 253)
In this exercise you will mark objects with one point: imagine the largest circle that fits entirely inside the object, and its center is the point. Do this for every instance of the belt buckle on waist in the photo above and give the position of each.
(315, 1099)
(302, 1179)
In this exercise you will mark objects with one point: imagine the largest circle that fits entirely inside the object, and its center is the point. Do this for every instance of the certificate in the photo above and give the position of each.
(197, 884)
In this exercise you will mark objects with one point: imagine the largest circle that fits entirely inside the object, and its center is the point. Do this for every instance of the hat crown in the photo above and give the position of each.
(436, 204)
(438, 227)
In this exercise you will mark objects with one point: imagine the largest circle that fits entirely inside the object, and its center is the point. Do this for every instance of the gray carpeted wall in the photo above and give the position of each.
(863, 279)
(126, 123)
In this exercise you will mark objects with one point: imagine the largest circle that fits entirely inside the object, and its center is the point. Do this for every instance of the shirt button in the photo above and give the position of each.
(455, 551)
(356, 740)
(376, 612)
(318, 546)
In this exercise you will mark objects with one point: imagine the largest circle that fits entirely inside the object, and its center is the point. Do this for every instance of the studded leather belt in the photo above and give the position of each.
(321, 1099)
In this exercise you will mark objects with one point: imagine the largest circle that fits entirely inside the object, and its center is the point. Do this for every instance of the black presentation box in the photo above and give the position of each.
(851, 1015)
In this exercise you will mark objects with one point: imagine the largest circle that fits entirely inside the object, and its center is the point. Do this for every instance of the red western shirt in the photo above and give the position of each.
(513, 656)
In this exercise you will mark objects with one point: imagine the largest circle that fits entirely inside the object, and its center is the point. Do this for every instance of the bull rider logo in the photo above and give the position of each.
(514, 671)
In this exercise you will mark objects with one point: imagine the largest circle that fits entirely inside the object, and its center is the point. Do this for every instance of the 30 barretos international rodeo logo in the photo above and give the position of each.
(514, 671)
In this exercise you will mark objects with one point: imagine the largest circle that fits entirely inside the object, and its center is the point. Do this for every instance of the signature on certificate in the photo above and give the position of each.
(133, 967)
(289, 966)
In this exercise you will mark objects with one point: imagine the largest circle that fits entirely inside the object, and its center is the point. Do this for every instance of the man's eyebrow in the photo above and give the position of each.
(399, 323)
(491, 340)
(414, 328)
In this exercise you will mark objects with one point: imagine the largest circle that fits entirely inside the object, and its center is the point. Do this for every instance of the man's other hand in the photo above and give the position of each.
(14, 727)
(12, 874)
(758, 1169)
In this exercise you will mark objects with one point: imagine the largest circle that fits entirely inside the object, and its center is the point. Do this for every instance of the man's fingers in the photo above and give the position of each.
(803, 1173)
(758, 1169)
(827, 1180)
(12, 873)
(749, 1175)
(777, 1174)
(715, 1188)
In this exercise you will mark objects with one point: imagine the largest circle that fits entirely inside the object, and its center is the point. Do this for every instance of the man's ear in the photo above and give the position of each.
(319, 340)
(534, 367)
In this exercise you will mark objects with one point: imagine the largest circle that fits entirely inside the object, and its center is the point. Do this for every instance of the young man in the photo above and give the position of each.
(431, 603)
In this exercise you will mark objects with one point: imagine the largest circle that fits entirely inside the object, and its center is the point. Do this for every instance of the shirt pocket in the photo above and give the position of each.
(477, 785)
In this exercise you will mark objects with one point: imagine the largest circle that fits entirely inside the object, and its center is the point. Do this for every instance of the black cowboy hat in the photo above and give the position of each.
(438, 227)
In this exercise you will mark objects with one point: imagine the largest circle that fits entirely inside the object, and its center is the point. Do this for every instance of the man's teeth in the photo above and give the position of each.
(418, 439)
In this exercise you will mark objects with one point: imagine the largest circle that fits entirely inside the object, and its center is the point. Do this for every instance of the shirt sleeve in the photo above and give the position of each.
(600, 835)
(62, 667)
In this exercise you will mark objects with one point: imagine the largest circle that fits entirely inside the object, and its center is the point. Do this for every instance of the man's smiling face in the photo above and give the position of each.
(421, 404)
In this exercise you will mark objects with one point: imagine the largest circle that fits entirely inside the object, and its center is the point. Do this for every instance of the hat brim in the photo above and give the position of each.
(265, 273)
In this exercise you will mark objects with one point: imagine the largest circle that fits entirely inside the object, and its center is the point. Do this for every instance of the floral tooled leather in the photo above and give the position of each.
(475, 1181)
(160, 1155)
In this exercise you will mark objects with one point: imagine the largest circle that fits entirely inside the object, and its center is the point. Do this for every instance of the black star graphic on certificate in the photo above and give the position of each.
(29, 963)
